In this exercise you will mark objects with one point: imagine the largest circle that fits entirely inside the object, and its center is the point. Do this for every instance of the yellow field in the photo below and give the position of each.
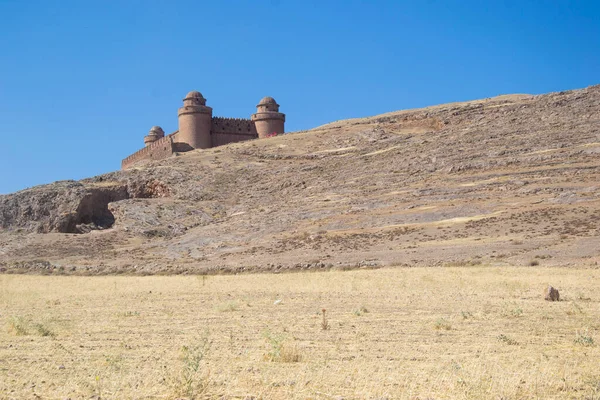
(422, 333)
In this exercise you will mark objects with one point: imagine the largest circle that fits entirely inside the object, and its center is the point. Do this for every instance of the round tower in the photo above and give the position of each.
(195, 121)
(155, 133)
(268, 120)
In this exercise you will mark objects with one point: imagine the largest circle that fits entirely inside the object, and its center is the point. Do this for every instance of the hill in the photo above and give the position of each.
(511, 180)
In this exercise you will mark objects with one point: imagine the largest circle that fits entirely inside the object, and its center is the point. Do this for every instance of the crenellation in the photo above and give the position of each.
(198, 129)
(232, 125)
(158, 150)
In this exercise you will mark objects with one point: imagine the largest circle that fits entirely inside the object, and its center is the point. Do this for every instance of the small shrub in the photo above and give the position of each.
(534, 263)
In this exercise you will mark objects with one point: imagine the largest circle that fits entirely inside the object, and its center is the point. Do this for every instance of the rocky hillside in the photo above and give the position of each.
(507, 180)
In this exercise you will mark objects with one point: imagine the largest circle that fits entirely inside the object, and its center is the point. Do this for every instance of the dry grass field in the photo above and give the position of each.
(464, 332)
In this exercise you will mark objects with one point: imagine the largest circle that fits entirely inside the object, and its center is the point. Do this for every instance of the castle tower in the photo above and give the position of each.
(195, 121)
(155, 133)
(268, 120)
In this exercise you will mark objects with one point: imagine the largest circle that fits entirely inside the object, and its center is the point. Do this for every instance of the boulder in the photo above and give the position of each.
(552, 294)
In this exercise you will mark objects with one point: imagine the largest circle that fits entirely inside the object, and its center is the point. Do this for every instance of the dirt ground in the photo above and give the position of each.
(464, 332)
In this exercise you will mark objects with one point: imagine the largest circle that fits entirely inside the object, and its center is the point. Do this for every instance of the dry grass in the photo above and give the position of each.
(468, 333)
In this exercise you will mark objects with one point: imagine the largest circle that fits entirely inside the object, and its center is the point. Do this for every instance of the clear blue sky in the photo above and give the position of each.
(81, 82)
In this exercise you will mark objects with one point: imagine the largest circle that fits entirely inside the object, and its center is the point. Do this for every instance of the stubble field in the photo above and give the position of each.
(466, 332)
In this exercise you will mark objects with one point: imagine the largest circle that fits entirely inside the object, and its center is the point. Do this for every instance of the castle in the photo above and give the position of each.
(198, 129)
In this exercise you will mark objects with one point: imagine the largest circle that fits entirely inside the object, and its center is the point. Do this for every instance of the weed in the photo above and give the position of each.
(360, 311)
(577, 309)
(279, 350)
(193, 380)
(505, 339)
(202, 278)
(18, 326)
(442, 324)
(534, 263)
(517, 312)
(582, 297)
(131, 314)
(115, 362)
(583, 339)
(466, 314)
(324, 322)
(228, 306)
(43, 330)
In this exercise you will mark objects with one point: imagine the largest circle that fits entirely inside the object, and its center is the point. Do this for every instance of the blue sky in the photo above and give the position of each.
(81, 82)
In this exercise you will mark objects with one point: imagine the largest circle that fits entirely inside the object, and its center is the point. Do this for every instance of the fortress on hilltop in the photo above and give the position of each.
(198, 129)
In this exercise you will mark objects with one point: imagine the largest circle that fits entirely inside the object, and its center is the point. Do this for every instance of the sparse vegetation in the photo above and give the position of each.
(229, 306)
(584, 339)
(324, 322)
(442, 324)
(508, 340)
(21, 326)
(131, 314)
(18, 326)
(166, 336)
(517, 312)
(280, 350)
(360, 311)
(193, 379)
(43, 330)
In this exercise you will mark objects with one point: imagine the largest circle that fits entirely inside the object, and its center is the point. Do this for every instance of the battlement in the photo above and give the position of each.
(240, 126)
(158, 150)
(198, 129)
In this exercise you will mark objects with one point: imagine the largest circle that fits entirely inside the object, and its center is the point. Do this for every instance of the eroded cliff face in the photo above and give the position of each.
(505, 181)
(70, 206)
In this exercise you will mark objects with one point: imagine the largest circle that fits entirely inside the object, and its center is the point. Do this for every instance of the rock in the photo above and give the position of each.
(60, 207)
(74, 207)
(552, 294)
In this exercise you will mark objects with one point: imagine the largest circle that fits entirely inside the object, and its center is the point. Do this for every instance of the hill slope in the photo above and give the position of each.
(506, 180)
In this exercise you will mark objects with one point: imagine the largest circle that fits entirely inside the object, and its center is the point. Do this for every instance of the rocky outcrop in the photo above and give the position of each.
(60, 207)
(70, 206)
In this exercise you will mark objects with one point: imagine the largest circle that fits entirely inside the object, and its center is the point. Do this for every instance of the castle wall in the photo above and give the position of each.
(198, 129)
(158, 150)
(231, 130)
